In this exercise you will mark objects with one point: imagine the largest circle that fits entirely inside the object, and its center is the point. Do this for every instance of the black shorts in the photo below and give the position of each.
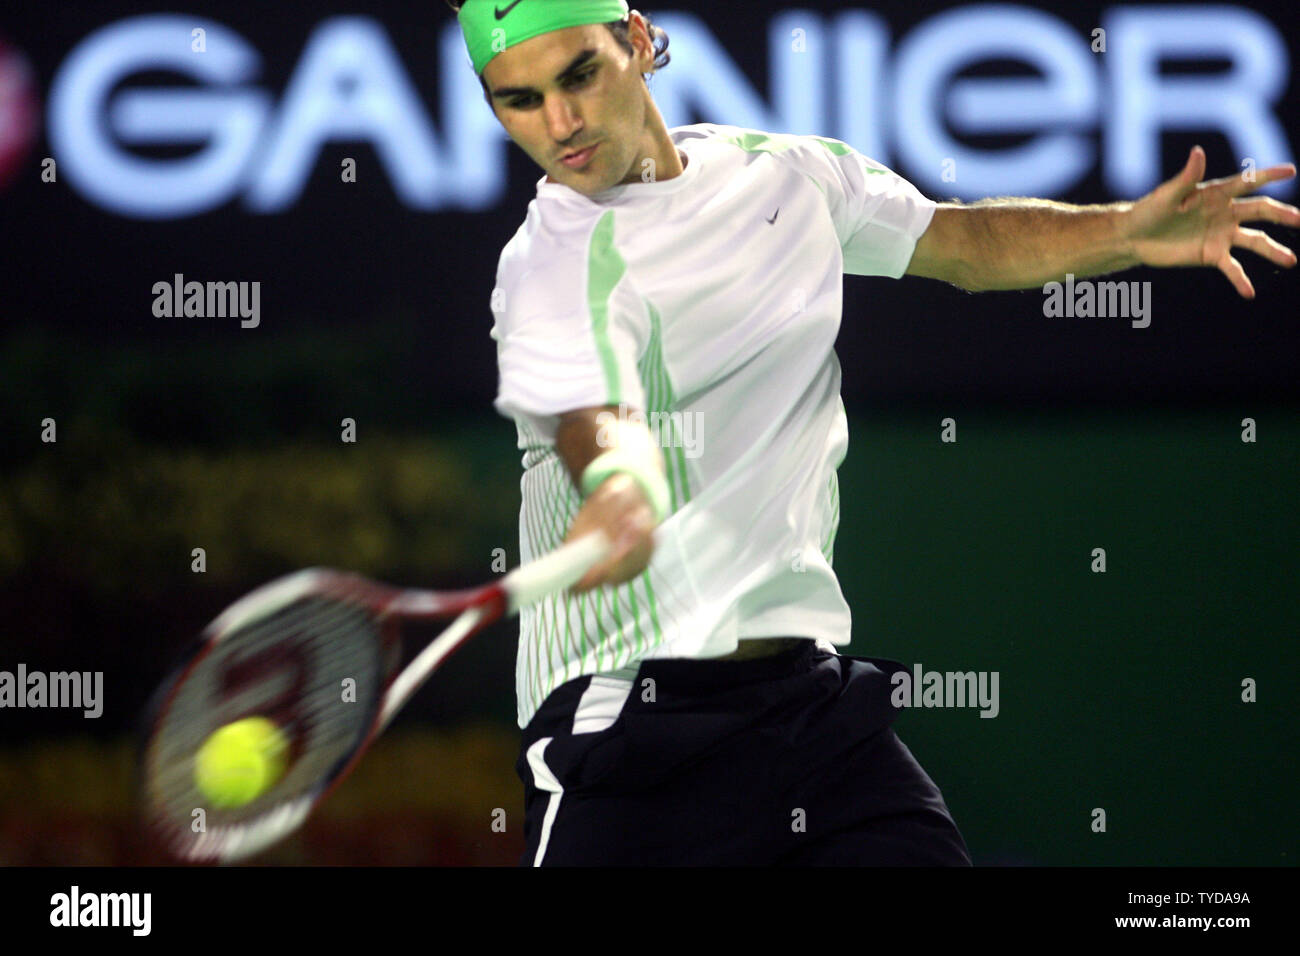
(788, 759)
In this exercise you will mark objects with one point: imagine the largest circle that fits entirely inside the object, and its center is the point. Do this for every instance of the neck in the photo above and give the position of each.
(667, 161)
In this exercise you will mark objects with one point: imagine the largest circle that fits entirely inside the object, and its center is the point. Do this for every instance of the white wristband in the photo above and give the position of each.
(642, 467)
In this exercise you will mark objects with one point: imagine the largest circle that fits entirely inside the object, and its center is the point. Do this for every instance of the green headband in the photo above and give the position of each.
(491, 26)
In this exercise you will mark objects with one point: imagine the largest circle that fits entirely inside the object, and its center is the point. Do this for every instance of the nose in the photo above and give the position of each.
(562, 120)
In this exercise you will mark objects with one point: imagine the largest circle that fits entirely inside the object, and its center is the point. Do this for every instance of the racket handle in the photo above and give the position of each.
(526, 584)
(554, 572)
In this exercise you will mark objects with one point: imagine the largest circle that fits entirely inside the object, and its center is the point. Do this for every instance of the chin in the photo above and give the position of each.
(588, 185)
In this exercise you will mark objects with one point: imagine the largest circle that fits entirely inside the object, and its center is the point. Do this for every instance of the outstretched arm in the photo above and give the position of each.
(1026, 243)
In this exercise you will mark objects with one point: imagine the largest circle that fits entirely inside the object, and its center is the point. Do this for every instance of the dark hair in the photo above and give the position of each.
(658, 39)
(619, 28)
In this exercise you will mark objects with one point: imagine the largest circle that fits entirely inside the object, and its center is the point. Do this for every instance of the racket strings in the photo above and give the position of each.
(315, 666)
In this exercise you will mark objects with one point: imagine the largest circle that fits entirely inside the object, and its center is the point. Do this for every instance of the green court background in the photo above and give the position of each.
(1120, 691)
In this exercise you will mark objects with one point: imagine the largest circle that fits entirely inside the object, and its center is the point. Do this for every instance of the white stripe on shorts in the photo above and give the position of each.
(601, 704)
(543, 779)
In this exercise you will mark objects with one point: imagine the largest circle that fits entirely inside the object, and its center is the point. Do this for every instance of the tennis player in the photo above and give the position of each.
(665, 320)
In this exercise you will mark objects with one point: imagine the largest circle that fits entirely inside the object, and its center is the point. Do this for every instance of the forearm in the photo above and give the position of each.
(586, 434)
(1026, 243)
(578, 441)
(621, 505)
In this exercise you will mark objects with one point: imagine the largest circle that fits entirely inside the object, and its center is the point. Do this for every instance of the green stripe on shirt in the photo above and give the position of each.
(605, 269)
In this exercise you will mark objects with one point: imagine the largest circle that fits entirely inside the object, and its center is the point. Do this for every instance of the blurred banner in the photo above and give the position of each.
(343, 165)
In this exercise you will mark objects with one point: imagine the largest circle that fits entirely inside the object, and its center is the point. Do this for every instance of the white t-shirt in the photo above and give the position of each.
(710, 303)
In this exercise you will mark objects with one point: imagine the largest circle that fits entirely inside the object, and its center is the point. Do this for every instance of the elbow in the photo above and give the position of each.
(968, 280)
(964, 274)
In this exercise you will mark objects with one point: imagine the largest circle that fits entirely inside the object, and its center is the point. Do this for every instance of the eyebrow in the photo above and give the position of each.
(576, 64)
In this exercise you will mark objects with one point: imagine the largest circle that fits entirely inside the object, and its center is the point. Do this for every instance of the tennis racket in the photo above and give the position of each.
(319, 653)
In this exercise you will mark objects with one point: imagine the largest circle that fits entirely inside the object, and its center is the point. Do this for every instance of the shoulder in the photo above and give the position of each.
(552, 268)
(823, 160)
(761, 142)
(554, 238)
(734, 140)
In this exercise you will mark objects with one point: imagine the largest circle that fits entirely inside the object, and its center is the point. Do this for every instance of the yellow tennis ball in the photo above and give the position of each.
(240, 761)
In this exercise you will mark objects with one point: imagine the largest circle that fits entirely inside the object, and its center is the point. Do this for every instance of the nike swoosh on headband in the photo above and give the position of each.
(502, 14)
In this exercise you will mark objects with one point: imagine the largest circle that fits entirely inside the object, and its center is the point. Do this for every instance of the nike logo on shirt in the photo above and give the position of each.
(502, 14)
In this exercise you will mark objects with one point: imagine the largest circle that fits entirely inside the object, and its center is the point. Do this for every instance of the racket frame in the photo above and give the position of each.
(474, 608)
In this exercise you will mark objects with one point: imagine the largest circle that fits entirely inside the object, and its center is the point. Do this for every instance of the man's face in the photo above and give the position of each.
(566, 91)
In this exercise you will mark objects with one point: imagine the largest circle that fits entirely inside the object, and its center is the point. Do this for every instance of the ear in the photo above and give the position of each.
(640, 38)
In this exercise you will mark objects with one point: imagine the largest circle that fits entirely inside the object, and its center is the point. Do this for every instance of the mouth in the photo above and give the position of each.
(580, 158)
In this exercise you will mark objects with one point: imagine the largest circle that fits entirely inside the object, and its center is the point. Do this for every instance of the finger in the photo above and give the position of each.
(1240, 185)
(586, 582)
(603, 572)
(1265, 209)
(1231, 268)
(594, 577)
(598, 572)
(1185, 182)
(1264, 246)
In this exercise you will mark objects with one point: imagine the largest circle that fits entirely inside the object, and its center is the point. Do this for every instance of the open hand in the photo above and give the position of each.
(1186, 222)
